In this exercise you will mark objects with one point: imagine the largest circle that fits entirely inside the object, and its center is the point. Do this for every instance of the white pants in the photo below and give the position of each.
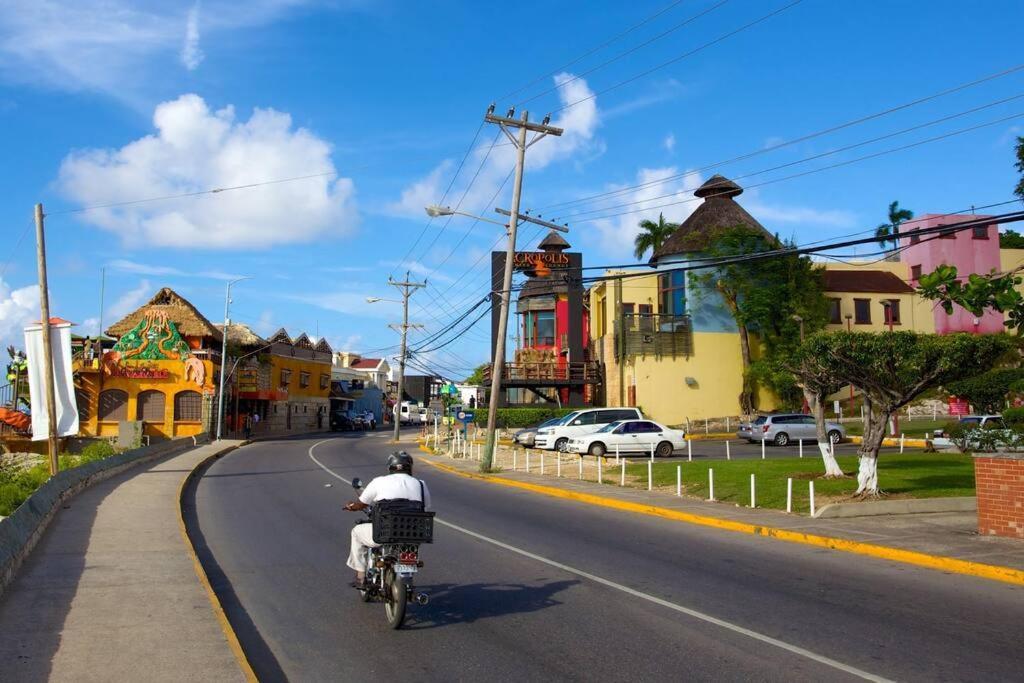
(362, 538)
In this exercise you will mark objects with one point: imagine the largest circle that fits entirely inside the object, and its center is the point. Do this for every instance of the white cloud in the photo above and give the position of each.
(618, 233)
(349, 303)
(580, 123)
(265, 325)
(125, 304)
(768, 214)
(195, 149)
(191, 54)
(350, 343)
(111, 46)
(127, 266)
(670, 142)
(18, 308)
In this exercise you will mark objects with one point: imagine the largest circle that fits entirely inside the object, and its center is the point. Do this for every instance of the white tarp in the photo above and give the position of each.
(64, 388)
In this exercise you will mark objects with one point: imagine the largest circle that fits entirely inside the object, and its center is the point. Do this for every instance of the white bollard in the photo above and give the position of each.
(689, 451)
(617, 458)
(679, 480)
(652, 452)
(902, 439)
(801, 442)
(622, 473)
(706, 432)
(600, 469)
(650, 475)
(581, 466)
(811, 490)
(527, 462)
(753, 498)
(727, 425)
(711, 484)
(542, 463)
(762, 449)
(515, 459)
(789, 495)
(727, 455)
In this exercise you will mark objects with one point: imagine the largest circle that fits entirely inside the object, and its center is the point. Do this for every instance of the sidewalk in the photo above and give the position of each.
(947, 535)
(110, 592)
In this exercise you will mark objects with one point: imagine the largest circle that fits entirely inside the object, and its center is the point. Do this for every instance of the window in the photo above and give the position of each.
(188, 406)
(893, 312)
(914, 237)
(980, 232)
(303, 379)
(601, 327)
(628, 309)
(540, 328)
(647, 427)
(113, 405)
(862, 311)
(325, 381)
(149, 407)
(672, 293)
(947, 234)
(286, 378)
(835, 312)
(915, 272)
(587, 419)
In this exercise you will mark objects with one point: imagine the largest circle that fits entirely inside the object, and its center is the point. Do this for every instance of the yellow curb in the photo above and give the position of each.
(889, 441)
(713, 436)
(218, 609)
(938, 562)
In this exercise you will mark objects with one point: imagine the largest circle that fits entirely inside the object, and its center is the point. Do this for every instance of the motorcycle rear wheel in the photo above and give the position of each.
(395, 599)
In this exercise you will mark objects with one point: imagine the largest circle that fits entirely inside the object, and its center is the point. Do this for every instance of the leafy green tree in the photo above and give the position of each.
(987, 392)
(1019, 190)
(477, 377)
(893, 368)
(652, 235)
(890, 232)
(817, 378)
(1011, 239)
(977, 294)
(764, 297)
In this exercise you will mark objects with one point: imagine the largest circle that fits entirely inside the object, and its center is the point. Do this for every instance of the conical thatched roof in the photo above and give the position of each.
(189, 321)
(242, 335)
(719, 211)
(553, 242)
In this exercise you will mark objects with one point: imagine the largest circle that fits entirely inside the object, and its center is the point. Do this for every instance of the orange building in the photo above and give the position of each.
(161, 372)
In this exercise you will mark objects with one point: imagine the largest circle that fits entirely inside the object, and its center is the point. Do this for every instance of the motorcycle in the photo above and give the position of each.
(392, 566)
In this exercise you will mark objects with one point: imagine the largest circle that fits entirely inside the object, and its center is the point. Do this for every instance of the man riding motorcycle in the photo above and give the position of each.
(398, 485)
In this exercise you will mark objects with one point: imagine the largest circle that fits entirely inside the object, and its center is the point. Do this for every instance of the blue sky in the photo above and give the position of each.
(113, 101)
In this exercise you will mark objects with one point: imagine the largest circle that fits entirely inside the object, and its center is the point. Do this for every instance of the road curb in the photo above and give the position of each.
(894, 442)
(936, 562)
(218, 608)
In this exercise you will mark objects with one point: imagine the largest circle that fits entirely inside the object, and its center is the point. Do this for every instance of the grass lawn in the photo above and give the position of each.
(912, 428)
(913, 475)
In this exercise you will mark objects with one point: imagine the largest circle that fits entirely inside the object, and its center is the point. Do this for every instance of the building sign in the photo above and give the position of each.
(138, 372)
(958, 406)
(248, 379)
(533, 260)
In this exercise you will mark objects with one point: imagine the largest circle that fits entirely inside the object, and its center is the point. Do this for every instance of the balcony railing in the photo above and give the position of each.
(587, 372)
(655, 334)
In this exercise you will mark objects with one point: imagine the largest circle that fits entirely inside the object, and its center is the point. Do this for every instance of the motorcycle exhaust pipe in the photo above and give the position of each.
(422, 598)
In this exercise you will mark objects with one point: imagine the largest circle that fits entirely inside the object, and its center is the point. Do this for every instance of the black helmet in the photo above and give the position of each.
(400, 461)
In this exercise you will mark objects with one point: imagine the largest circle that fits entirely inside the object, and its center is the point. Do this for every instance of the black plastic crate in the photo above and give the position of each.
(402, 526)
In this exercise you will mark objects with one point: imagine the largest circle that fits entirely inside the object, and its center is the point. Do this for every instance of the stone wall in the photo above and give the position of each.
(999, 479)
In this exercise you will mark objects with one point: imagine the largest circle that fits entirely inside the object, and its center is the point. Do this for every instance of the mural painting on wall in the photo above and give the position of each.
(155, 337)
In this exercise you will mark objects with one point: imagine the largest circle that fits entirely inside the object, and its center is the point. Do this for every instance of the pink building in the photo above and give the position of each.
(974, 250)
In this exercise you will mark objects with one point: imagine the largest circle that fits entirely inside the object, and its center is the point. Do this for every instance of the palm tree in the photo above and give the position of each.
(890, 232)
(652, 235)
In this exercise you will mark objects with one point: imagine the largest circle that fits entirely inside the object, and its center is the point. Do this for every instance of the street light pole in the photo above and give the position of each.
(498, 363)
(887, 305)
(849, 328)
(224, 353)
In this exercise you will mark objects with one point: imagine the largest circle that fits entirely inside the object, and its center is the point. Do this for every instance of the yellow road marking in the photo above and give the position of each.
(218, 609)
(945, 564)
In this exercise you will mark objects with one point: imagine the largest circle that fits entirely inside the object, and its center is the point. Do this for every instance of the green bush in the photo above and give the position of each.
(97, 450)
(11, 496)
(987, 391)
(517, 418)
(1014, 417)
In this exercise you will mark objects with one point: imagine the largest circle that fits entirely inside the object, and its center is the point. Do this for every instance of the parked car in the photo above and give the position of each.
(629, 436)
(780, 430)
(556, 437)
(994, 437)
(340, 422)
(982, 421)
(527, 437)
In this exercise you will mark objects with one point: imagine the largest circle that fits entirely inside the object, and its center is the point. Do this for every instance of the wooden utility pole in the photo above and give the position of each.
(406, 287)
(44, 307)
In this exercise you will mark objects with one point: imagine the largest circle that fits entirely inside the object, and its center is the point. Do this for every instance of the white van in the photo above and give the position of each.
(556, 437)
(409, 413)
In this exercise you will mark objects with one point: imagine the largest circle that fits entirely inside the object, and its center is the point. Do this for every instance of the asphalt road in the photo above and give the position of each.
(534, 588)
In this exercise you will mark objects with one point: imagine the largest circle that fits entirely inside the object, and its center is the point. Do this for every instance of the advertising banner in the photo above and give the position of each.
(64, 388)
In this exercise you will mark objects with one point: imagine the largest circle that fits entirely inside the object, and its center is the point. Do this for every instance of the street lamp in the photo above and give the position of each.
(887, 305)
(849, 328)
(224, 351)
(434, 211)
(375, 299)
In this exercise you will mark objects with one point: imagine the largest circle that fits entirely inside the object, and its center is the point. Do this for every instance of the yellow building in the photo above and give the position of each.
(299, 374)
(160, 372)
(863, 298)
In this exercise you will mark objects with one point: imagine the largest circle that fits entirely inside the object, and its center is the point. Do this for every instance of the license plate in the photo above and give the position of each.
(405, 569)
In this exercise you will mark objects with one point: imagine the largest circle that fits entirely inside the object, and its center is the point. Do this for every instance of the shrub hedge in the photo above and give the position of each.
(518, 418)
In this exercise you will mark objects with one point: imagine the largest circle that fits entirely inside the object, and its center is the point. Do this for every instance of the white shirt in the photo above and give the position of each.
(393, 487)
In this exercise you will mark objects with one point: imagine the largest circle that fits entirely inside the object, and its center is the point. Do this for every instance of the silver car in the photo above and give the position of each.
(527, 437)
(781, 430)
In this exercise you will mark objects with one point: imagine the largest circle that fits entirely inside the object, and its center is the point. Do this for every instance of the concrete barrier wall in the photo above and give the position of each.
(20, 532)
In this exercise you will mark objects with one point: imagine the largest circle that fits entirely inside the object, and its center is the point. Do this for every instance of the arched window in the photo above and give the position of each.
(150, 406)
(113, 405)
(188, 406)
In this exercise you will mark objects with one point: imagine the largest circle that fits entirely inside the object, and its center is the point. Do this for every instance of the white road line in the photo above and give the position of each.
(795, 649)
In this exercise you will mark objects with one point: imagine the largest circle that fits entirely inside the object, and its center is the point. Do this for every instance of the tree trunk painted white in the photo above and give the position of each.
(867, 476)
(874, 433)
(814, 400)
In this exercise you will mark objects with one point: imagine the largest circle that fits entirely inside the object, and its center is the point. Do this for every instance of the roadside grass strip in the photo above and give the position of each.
(936, 562)
(909, 428)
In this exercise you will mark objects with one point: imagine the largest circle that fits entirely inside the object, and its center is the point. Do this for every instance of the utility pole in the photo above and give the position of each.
(44, 307)
(224, 353)
(407, 287)
(498, 364)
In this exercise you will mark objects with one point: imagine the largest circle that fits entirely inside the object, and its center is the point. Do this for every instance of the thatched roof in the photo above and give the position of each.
(544, 286)
(719, 211)
(553, 242)
(280, 337)
(242, 335)
(302, 342)
(189, 321)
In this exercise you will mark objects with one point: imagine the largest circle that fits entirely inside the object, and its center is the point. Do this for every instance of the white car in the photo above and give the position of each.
(630, 436)
(556, 437)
